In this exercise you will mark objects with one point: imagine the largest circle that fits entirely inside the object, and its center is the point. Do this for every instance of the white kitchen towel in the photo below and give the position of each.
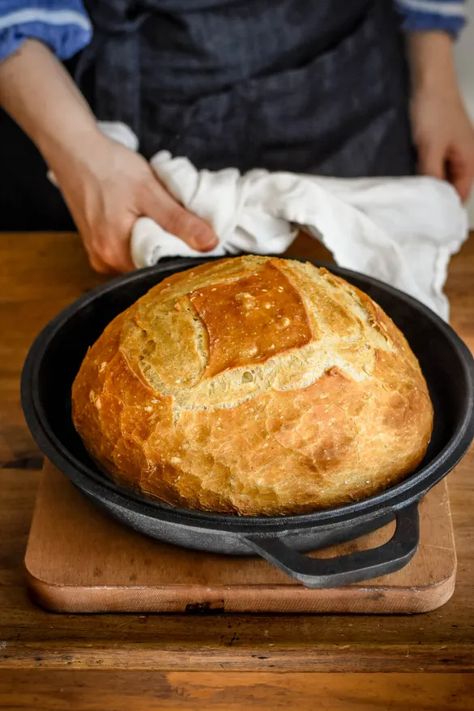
(400, 230)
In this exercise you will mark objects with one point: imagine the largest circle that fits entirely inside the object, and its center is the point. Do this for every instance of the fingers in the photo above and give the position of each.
(461, 173)
(462, 183)
(174, 218)
(98, 265)
(109, 251)
(431, 160)
(107, 242)
(463, 186)
(114, 251)
(447, 164)
(105, 212)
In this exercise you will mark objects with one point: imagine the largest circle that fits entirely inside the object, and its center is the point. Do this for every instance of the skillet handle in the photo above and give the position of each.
(346, 569)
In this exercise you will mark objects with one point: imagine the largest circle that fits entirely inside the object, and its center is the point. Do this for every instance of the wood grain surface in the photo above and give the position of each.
(114, 661)
(116, 569)
(231, 691)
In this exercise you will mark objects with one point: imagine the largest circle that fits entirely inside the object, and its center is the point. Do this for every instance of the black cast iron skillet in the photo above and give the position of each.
(53, 362)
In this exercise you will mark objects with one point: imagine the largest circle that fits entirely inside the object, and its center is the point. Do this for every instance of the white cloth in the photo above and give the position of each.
(400, 230)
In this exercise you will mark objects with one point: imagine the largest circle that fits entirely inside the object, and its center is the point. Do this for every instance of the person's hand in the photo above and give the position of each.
(444, 138)
(107, 187)
(441, 129)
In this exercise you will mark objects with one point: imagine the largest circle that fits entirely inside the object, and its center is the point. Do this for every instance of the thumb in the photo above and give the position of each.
(431, 160)
(174, 218)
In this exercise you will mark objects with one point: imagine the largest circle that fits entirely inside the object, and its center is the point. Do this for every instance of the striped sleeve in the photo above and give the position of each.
(61, 24)
(421, 15)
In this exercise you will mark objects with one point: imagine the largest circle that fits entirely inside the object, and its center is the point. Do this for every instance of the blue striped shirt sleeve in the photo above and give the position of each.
(422, 15)
(61, 24)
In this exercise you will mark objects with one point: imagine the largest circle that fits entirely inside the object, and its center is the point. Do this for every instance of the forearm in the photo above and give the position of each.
(431, 63)
(41, 97)
(441, 129)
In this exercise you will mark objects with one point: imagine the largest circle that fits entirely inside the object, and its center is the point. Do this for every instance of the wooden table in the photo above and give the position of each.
(117, 662)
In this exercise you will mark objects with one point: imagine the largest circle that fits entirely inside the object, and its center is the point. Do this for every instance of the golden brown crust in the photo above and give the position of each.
(254, 385)
(250, 320)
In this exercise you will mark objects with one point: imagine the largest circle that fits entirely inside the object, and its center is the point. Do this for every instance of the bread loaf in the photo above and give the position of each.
(255, 386)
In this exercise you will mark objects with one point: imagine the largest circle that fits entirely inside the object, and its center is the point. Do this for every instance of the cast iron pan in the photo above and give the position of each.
(54, 359)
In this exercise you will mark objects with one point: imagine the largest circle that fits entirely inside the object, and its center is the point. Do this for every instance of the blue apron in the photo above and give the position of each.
(294, 85)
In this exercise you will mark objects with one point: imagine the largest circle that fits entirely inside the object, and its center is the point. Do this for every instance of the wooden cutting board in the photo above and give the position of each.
(79, 559)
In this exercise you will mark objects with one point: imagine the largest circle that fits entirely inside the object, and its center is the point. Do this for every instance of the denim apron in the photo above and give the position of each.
(317, 86)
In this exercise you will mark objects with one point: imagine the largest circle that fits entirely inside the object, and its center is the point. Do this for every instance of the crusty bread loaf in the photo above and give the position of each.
(253, 385)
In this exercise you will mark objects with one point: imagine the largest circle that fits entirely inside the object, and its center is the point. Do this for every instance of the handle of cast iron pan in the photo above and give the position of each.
(346, 569)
